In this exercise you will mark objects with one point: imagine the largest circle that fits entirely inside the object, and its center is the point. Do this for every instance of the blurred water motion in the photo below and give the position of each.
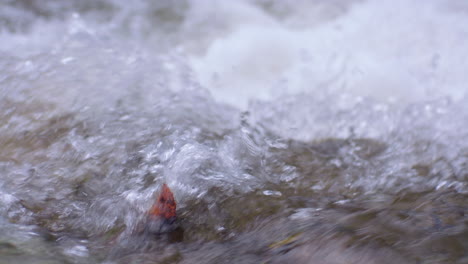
(289, 132)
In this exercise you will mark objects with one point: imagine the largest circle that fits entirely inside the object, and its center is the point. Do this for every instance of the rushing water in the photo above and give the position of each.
(316, 131)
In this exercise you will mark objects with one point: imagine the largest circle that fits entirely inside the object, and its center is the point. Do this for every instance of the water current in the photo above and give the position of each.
(323, 132)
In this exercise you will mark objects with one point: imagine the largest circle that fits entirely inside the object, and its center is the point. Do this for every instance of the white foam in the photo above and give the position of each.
(389, 50)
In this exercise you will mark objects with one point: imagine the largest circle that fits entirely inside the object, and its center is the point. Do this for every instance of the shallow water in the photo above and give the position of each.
(305, 132)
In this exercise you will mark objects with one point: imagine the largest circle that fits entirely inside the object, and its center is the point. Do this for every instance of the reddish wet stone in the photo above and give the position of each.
(162, 215)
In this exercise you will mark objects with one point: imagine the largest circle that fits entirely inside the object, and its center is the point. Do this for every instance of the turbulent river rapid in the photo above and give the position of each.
(309, 131)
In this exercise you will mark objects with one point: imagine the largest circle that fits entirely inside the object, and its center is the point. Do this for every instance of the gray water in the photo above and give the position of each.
(289, 131)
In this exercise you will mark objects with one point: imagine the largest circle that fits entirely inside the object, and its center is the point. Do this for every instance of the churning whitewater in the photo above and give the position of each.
(284, 131)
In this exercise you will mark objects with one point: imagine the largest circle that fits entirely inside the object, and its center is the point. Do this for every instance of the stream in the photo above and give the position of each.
(322, 132)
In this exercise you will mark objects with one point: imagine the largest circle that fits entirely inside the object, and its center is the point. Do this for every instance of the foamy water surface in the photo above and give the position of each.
(289, 131)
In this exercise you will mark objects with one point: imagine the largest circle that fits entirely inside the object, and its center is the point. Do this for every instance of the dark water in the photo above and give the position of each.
(289, 133)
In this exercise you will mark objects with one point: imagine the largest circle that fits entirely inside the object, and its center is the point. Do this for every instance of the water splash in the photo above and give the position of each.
(334, 127)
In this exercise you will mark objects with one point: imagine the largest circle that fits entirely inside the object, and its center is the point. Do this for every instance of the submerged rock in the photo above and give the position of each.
(162, 215)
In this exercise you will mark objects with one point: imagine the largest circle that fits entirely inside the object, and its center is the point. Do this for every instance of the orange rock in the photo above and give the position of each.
(165, 206)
